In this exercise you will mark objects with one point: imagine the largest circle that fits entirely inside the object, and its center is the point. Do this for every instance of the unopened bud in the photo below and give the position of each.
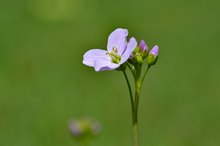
(153, 55)
(143, 46)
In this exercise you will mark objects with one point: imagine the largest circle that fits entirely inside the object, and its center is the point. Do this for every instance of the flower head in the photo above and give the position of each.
(118, 52)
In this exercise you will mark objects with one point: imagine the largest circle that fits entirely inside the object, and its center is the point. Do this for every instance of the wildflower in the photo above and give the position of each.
(153, 55)
(118, 52)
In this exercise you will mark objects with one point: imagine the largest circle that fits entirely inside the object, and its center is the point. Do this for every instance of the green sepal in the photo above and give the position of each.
(144, 54)
(151, 59)
(136, 50)
(122, 67)
(139, 59)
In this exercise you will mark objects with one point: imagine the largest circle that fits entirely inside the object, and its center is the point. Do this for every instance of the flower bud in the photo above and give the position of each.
(143, 46)
(153, 55)
(143, 49)
(76, 128)
(140, 53)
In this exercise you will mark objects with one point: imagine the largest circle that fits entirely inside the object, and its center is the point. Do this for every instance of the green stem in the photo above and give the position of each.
(136, 71)
(135, 130)
(134, 116)
(138, 85)
(145, 73)
(132, 69)
(130, 92)
(136, 102)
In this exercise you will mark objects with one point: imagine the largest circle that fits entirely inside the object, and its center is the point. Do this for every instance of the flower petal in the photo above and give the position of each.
(132, 44)
(90, 56)
(155, 50)
(103, 64)
(117, 39)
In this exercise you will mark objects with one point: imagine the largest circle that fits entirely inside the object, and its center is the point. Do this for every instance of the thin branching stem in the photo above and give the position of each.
(145, 73)
(132, 69)
(136, 72)
(130, 90)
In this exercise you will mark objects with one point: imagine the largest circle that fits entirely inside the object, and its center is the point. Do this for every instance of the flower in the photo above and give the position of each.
(118, 52)
(84, 128)
(76, 128)
(153, 55)
(143, 46)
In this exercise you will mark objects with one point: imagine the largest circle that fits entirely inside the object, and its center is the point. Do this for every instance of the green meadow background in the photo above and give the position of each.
(43, 83)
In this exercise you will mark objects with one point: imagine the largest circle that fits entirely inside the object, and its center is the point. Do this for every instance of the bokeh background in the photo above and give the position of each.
(43, 83)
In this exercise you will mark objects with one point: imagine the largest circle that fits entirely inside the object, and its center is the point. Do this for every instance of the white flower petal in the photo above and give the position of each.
(117, 39)
(90, 56)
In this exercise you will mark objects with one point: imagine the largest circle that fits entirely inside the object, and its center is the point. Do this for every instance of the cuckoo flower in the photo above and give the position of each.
(118, 52)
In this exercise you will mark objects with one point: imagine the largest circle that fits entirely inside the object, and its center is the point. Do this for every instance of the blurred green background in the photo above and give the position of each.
(43, 83)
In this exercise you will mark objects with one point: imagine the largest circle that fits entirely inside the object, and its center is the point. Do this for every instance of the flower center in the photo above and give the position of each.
(114, 56)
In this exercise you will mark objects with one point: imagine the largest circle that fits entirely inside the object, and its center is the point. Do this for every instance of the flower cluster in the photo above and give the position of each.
(119, 51)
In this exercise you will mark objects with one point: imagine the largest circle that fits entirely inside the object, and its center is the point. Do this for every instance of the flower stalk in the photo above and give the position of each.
(135, 66)
(135, 101)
